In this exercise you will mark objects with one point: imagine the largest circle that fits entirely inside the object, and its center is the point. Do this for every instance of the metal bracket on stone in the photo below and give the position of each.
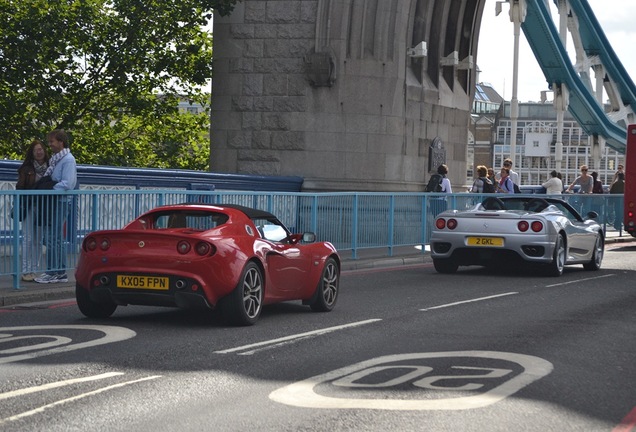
(436, 154)
(321, 69)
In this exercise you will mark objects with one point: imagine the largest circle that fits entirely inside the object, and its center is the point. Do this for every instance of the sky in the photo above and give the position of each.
(496, 64)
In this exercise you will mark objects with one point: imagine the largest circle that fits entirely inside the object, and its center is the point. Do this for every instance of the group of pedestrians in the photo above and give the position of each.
(487, 182)
(507, 181)
(43, 217)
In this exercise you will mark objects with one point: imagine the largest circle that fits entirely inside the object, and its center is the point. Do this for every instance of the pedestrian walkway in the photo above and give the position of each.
(33, 292)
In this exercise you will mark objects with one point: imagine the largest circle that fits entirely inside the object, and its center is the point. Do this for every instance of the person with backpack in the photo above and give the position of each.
(482, 183)
(446, 184)
(505, 183)
(438, 181)
(442, 184)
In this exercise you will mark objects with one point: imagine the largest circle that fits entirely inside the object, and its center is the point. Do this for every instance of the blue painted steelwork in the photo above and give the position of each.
(595, 43)
(553, 59)
(168, 178)
(352, 221)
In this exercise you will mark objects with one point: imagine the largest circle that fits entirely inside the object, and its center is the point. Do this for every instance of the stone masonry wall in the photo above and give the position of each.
(368, 131)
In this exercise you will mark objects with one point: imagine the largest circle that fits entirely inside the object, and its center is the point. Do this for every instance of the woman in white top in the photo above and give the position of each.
(554, 186)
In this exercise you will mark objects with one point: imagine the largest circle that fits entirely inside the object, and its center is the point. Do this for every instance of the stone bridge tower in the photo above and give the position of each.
(343, 92)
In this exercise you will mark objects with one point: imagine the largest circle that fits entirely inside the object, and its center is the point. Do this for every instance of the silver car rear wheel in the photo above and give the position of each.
(445, 265)
(597, 255)
(555, 268)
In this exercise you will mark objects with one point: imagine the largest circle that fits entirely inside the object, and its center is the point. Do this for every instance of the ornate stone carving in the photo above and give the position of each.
(321, 69)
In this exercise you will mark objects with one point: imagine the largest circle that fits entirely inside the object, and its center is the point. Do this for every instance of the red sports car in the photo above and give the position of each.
(199, 255)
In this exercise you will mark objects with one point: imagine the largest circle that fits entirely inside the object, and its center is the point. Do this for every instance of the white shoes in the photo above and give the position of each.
(51, 278)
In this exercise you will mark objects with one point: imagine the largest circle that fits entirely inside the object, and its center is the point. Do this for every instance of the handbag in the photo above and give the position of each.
(25, 206)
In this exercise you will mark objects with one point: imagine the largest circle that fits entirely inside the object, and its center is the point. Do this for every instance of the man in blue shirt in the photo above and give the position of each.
(63, 176)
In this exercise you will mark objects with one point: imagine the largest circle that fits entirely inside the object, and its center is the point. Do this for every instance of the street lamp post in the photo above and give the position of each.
(518, 10)
(517, 13)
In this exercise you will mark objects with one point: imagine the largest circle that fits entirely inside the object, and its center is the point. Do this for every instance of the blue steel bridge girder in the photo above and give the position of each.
(558, 70)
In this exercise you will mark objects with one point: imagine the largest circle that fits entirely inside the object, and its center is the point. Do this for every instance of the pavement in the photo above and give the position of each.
(33, 292)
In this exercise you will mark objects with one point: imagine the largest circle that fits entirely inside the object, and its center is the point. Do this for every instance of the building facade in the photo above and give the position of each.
(490, 138)
(536, 142)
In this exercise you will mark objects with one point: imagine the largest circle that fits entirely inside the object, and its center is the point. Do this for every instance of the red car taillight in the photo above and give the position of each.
(201, 248)
(451, 224)
(523, 226)
(91, 243)
(183, 247)
(440, 223)
(204, 248)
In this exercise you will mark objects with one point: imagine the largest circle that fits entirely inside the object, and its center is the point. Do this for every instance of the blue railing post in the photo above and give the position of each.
(354, 227)
(391, 226)
(15, 260)
(425, 239)
(314, 214)
(95, 211)
(270, 203)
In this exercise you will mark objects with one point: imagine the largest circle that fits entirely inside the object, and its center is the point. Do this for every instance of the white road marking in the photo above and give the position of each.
(288, 339)
(469, 301)
(111, 334)
(302, 393)
(74, 398)
(580, 280)
(57, 384)
(56, 340)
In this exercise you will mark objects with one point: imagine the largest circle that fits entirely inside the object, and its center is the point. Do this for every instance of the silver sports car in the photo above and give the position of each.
(545, 231)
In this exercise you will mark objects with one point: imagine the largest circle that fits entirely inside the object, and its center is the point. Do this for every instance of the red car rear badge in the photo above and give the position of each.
(142, 244)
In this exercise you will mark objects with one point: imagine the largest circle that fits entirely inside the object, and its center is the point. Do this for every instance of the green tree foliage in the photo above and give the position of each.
(110, 73)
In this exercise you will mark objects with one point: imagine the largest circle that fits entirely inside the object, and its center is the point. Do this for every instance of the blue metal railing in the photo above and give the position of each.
(352, 221)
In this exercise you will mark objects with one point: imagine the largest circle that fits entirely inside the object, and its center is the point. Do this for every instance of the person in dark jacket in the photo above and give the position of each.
(36, 161)
(597, 188)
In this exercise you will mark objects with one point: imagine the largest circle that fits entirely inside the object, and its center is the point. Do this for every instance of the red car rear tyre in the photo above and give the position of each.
(90, 308)
(244, 304)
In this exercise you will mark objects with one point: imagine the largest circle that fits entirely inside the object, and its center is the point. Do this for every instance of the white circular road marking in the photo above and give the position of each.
(57, 344)
(483, 385)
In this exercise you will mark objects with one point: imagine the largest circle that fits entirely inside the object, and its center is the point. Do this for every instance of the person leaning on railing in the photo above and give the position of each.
(36, 161)
(554, 185)
(62, 176)
(585, 181)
